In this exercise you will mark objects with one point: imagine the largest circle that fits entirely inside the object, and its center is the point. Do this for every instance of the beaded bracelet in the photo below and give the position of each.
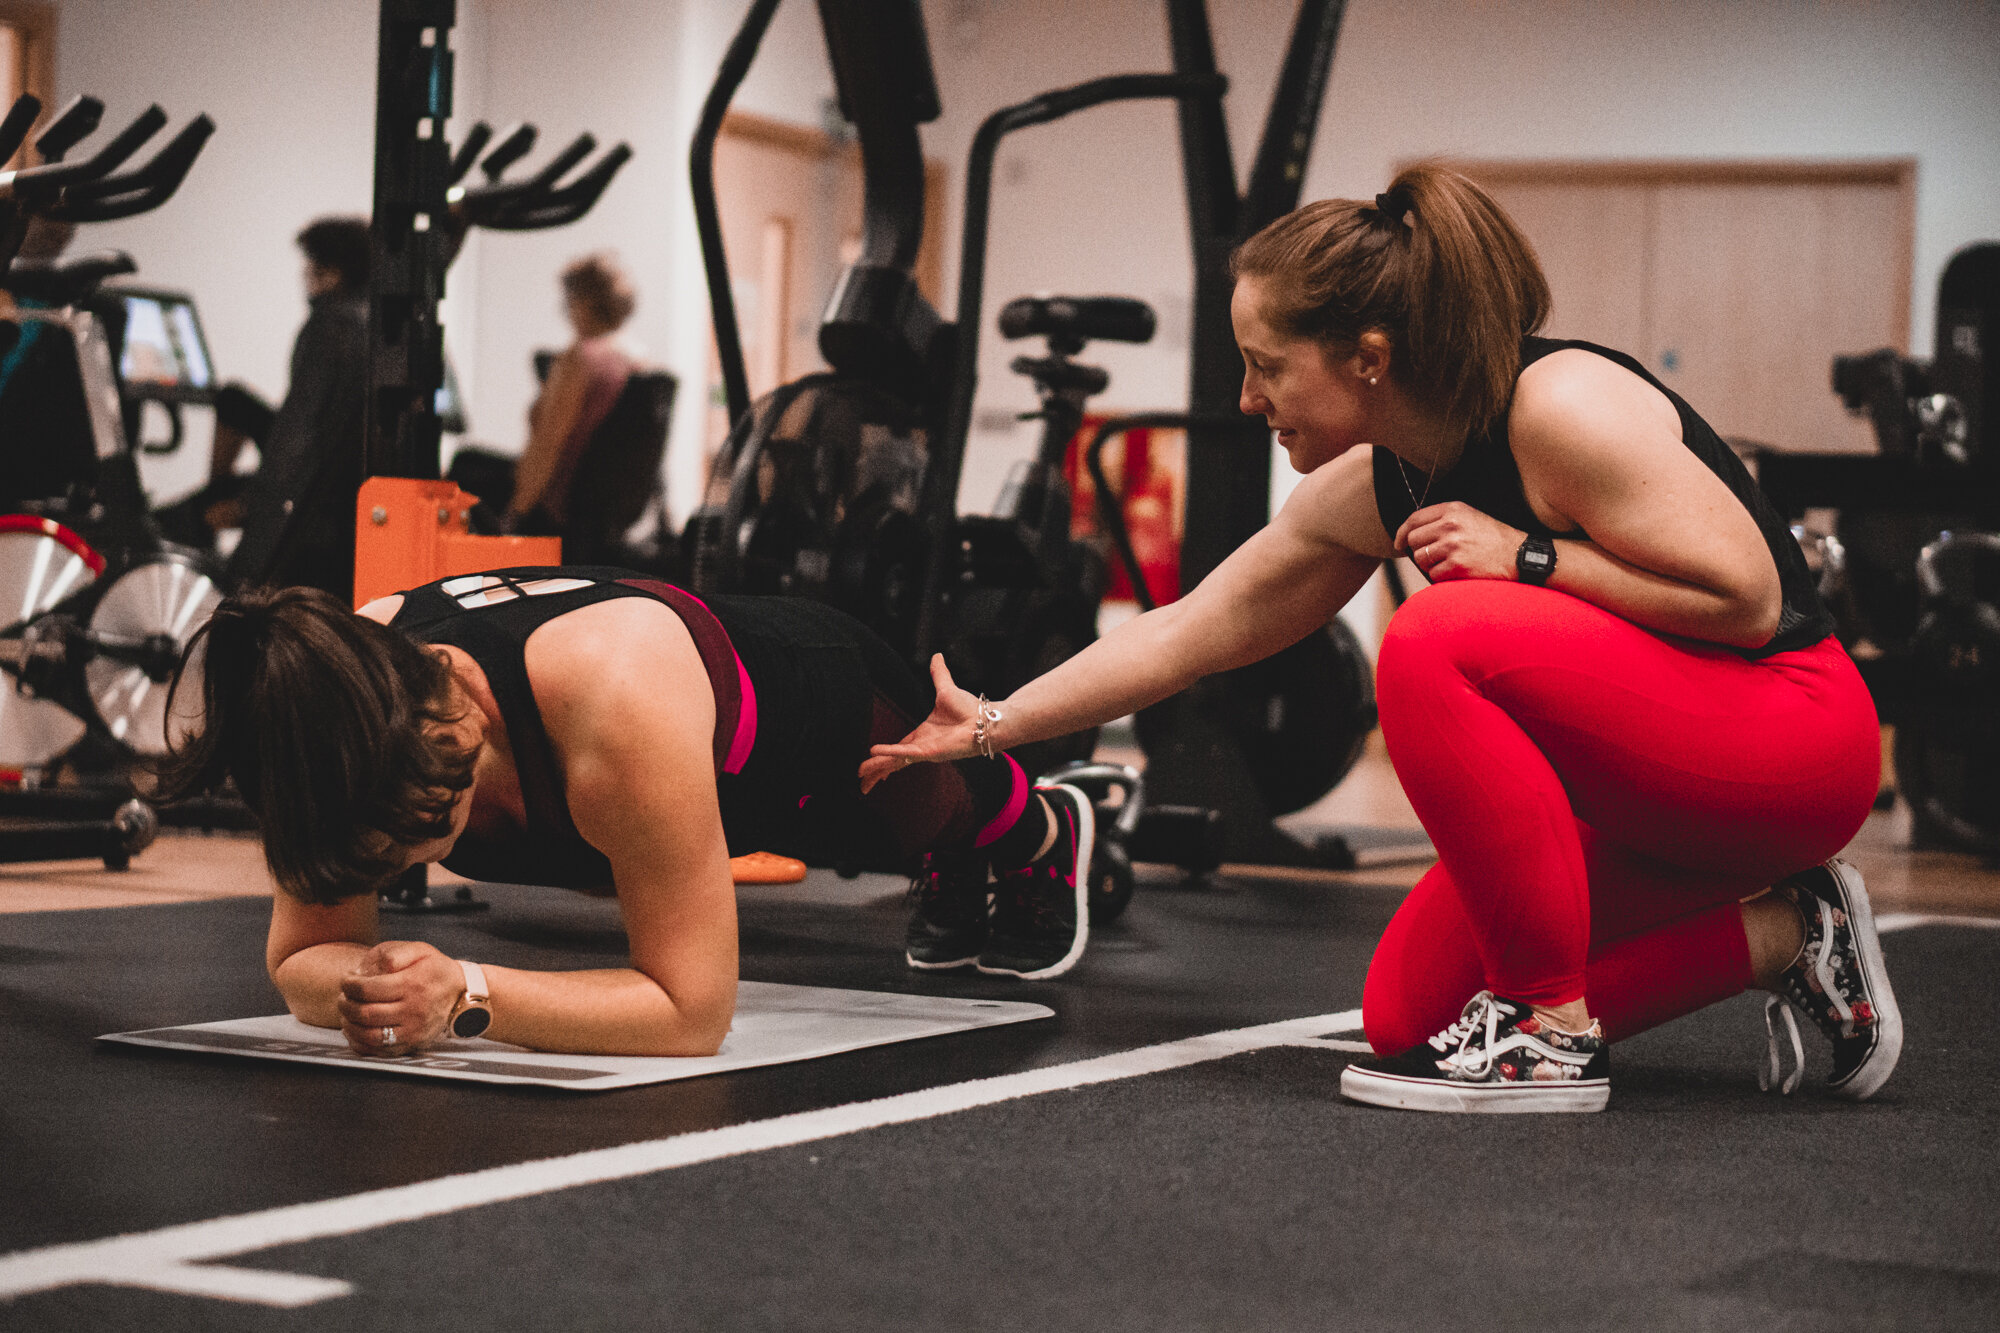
(986, 714)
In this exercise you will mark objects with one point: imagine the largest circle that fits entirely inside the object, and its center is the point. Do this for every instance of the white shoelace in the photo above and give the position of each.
(1769, 1072)
(1481, 1010)
(1819, 964)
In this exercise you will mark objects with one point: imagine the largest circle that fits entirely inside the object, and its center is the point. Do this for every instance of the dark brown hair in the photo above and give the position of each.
(332, 727)
(340, 244)
(599, 285)
(1433, 263)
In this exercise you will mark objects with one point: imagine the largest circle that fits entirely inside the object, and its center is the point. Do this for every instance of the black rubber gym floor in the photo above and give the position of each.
(1231, 1193)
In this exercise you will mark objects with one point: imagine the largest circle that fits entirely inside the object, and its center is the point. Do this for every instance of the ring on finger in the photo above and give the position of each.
(389, 1036)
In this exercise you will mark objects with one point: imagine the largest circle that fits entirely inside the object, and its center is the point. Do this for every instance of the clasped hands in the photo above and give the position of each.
(398, 998)
(1455, 541)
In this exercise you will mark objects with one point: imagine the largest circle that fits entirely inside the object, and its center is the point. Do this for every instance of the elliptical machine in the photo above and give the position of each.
(100, 610)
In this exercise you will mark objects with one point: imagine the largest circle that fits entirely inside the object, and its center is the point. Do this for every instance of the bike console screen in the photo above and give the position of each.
(163, 347)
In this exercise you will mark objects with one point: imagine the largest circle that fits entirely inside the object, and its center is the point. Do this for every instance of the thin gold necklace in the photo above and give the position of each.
(1402, 470)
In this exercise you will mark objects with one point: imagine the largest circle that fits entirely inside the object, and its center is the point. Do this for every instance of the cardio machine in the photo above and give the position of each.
(99, 610)
(843, 485)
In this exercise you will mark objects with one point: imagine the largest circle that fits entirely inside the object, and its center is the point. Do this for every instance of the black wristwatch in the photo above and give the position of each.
(1535, 561)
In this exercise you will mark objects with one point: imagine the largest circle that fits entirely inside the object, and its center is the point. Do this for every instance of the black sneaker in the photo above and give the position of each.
(1497, 1057)
(1041, 913)
(948, 906)
(1839, 982)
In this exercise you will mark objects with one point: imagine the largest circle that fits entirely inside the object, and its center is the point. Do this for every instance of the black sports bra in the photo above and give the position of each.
(1487, 478)
(490, 616)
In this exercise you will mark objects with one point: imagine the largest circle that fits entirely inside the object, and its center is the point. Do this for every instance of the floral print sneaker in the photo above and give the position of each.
(1839, 982)
(1498, 1056)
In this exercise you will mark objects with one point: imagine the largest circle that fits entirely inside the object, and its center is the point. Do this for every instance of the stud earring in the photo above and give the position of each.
(1371, 381)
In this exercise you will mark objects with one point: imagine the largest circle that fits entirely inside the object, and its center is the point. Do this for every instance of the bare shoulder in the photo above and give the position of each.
(618, 672)
(1577, 398)
(383, 609)
(1335, 505)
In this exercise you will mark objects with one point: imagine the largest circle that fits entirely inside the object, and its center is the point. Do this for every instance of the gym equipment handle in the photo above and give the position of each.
(143, 127)
(142, 189)
(71, 125)
(20, 119)
(1105, 318)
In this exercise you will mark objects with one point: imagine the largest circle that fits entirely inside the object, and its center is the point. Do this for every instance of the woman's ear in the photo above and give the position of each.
(1369, 362)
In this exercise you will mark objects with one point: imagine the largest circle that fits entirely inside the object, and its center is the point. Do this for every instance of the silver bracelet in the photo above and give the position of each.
(985, 715)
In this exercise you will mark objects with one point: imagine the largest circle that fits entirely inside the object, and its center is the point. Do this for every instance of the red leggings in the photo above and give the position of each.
(1601, 797)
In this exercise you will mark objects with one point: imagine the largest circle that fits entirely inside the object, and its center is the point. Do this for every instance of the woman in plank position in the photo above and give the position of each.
(1619, 712)
(594, 729)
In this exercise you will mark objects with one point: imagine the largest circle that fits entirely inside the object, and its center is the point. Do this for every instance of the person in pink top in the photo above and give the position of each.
(582, 385)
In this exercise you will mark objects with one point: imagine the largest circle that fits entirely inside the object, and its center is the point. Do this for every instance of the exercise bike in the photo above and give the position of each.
(98, 610)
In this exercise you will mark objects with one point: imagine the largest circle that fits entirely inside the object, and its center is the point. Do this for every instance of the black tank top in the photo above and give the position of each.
(1487, 478)
(490, 616)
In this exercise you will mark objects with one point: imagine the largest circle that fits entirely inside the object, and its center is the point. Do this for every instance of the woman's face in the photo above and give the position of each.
(1315, 401)
(439, 848)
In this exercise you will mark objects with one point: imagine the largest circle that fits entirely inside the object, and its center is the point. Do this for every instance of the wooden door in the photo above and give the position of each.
(27, 60)
(1735, 283)
(790, 200)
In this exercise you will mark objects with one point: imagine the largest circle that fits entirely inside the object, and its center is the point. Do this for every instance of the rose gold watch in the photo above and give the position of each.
(473, 1013)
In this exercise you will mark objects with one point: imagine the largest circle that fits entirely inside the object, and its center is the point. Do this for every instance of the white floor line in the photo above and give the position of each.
(178, 1258)
(1889, 922)
(1335, 1044)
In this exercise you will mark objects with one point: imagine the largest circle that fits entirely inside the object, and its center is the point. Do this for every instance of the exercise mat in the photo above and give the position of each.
(774, 1025)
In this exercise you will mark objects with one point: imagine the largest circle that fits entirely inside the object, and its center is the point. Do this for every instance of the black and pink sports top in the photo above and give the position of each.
(1487, 478)
(490, 616)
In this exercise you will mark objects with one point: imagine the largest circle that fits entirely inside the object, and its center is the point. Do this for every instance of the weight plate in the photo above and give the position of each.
(168, 595)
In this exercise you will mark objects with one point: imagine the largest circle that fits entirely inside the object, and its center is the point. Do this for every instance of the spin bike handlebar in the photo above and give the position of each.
(1075, 320)
(36, 185)
(140, 190)
(534, 202)
(87, 191)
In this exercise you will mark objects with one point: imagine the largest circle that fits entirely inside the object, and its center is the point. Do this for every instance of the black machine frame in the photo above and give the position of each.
(1199, 754)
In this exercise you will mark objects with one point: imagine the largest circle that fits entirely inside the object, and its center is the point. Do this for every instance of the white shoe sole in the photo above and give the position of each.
(941, 967)
(1869, 1076)
(1427, 1094)
(1086, 846)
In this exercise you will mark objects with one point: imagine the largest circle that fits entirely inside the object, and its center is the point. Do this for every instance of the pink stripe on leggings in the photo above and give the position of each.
(1010, 814)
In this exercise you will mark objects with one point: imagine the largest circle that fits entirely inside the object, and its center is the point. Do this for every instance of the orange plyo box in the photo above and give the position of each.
(408, 532)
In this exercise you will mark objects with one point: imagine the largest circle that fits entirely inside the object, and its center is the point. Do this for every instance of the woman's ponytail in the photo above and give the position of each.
(1432, 262)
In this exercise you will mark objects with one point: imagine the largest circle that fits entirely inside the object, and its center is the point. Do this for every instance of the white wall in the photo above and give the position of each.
(1092, 205)
(292, 91)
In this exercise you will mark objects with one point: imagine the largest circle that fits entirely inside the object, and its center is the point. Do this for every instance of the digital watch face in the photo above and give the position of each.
(471, 1023)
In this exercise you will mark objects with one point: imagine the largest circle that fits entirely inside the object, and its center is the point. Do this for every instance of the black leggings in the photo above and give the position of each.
(828, 688)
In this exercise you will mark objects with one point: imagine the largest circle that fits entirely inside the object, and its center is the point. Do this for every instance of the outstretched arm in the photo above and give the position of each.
(1286, 581)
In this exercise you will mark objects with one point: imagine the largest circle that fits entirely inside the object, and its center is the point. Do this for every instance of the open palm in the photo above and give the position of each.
(945, 735)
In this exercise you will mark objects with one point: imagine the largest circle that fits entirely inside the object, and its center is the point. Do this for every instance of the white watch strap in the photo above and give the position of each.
(475, 982)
